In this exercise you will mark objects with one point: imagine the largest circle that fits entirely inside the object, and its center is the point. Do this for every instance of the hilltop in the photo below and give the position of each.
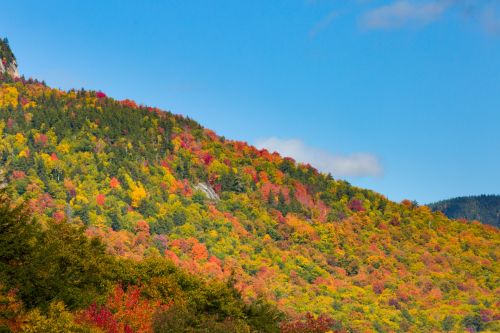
(483, 208)
(155, 186)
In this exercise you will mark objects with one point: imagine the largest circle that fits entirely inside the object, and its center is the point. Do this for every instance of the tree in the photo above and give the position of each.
(100, 199)
(282, 206)
(137, 194)
(58, 262)
(270, 199)
(57, 320)
(473, 322)
(448, 323)
(356, 205)
(18, 235)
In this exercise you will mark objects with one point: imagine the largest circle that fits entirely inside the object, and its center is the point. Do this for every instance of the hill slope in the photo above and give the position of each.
(139, 178)
(483, 208)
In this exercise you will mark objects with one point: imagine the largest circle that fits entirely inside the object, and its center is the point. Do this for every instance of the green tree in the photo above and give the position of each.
(56, 262)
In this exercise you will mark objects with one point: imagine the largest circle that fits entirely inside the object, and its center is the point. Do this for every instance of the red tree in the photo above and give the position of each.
(356, 205)
(114, 183)
(100, 199)
(100, 94)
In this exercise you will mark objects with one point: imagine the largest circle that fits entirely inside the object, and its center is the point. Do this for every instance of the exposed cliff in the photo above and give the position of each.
(8, 64)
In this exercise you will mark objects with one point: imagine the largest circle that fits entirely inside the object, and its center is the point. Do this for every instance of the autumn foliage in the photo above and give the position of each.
(124, 311)
(136, 178)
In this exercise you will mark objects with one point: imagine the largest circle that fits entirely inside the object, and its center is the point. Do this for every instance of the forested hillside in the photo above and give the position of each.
(163, 194)
(483, 208)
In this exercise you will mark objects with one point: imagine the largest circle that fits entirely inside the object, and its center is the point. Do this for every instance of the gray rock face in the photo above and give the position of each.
(208, 191)
(8, 64)
(11, 69)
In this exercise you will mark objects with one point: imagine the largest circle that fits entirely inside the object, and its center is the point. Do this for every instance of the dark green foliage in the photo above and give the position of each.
(179, 318)
(199, 197)
(129, 134)
(179, 217)
(448, 323)
(231, 182)
(182, 317)
(18, 236)
(66, 266)
(5, 52)
(118, 121)
(473, 323)
(270, 199)
(46, 263)
(282, 206)
(161, 226)
(263, 317)
(484, 208)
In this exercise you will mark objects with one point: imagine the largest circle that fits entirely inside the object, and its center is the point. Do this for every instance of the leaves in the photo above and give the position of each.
(306, 242)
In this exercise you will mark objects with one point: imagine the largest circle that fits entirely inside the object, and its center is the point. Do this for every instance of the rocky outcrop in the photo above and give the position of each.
(8, 64)
(11, 69)
(207, 190)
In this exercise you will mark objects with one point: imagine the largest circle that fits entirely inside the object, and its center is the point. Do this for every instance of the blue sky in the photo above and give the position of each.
(399, 96)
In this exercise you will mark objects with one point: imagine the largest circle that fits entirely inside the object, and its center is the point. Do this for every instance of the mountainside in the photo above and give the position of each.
(152, 184)
(483, 208)
(8, 63)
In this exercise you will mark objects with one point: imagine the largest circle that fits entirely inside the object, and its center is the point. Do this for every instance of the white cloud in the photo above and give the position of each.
(402, 12)
(353, 165)
(393, 14)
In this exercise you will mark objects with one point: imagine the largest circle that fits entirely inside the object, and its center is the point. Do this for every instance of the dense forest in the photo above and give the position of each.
(49, 270)
(119, 217)
(483, 208)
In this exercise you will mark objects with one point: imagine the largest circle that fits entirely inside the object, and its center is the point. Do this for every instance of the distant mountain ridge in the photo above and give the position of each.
(483, 208)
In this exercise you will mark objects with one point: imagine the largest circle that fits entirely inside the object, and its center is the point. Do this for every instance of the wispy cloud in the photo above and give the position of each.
(323, 24)
(353, 165)
(394, 14)
(402, 13)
